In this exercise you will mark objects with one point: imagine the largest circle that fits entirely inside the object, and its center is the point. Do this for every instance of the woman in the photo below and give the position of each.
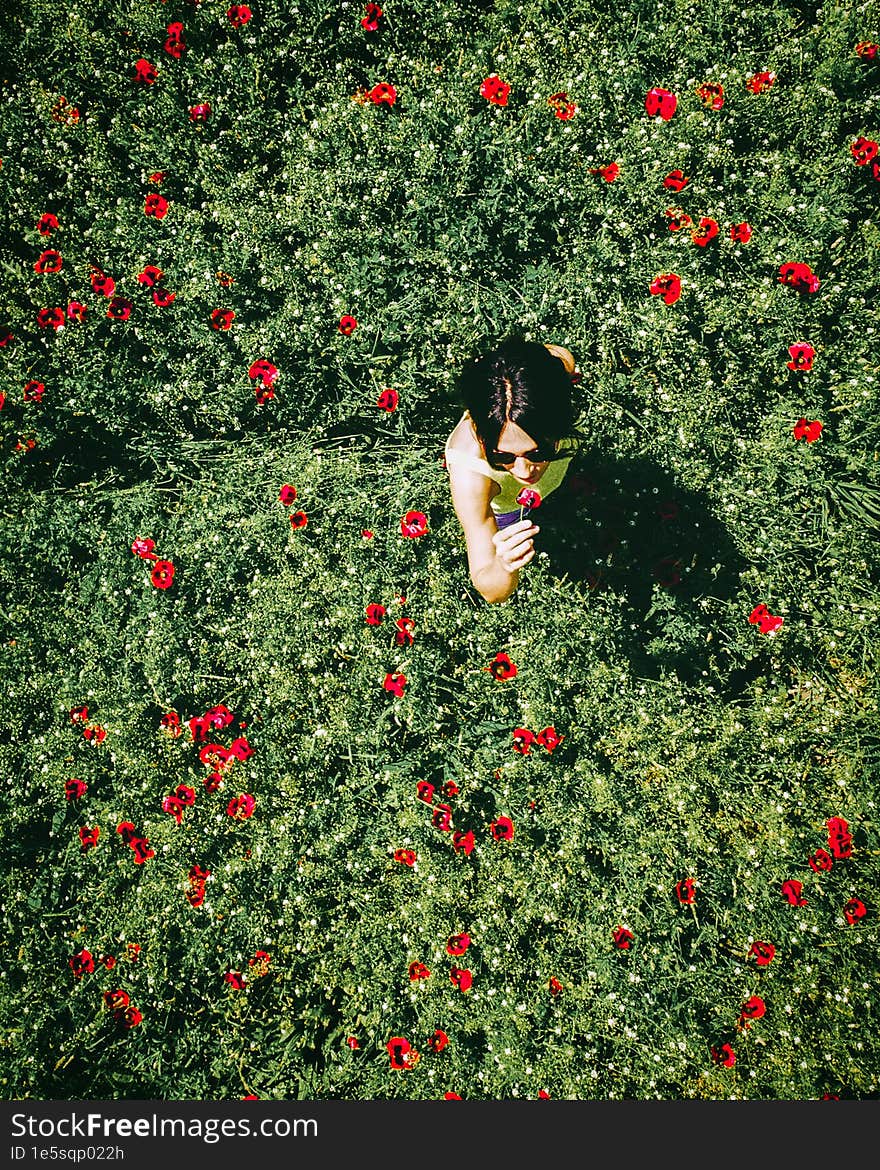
(517, 432)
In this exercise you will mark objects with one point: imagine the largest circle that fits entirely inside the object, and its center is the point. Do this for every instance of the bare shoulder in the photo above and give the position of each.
(464, 438)
(564, 355)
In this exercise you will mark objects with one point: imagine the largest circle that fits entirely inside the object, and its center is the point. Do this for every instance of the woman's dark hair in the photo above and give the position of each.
(520, 382)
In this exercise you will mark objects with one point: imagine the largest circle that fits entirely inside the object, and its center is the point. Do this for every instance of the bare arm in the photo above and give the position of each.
(494, 557)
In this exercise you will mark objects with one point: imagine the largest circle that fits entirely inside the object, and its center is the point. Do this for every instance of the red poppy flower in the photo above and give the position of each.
(156, 205)
(798, 276)
(171, 722)
(404, 635)
(562, 107)
(162, 574)
(668, 286)
(762, 953)
(221, 319)
(502, 829)
(863, 150)
(549, 739)
(711, 94)
(405, 856)
(463, 842)
(837, 827)
(75, 789)
(375, 613)
(370, 21)
(141, 849)
(752, 1009)
(529, 498)
(263, 372)
(173, 806)
(156, 178)
(89, 837)
(127, 1017)
(383, 93)
(724, 1055)
(501, 667)
(494, 90)
(213, 782)
(236, 980)
(676, 180)
(741, 233)
(414, 524)
(287, 494)
(347, 325)
(196, 894)
(215, 754)
(765, 621)
(50, 318)
(76, 312)
(387, 400)
(662, 102)
(839, 838)
(450, 788)
(758, 82)
(820, 861)
(82, 963)
(162, 298)
(677, 218)
(47, 223)
(116, 999)
(457, 944)
(79, 714)
(198, 874)
(200, 112)
(461, 978)
(395, 683)
(791, 891)
(802, 354)
(241, 807)
(240, 749)
(109, 961)
(867, 49)
(522, 740)
(352, 1042)
(853, 910)
(50, 261)
(150, 275)
(238, 15)
(119, 309)
(34, 391)
(685, 891)
(175, 45)
(622, 938)
(299, 520)
(807, 430)
(438, 1041)
(418, 971)
(224, 280)
(441, 818)
(425, 791)
(706, 230)
(102, 284)
(609, 173)
(144, 71)
(401, 1053)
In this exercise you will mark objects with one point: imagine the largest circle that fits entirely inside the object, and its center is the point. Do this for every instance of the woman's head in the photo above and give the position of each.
(522, 390)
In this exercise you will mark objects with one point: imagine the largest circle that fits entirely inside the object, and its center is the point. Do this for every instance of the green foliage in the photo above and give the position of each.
(693, 745)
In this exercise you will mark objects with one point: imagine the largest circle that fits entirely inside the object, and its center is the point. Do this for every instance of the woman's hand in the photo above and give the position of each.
(514, 546)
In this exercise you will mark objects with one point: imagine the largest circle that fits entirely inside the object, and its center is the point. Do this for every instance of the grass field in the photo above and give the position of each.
(264, 839)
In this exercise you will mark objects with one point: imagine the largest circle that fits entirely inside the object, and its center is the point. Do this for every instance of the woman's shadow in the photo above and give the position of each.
(626, 527)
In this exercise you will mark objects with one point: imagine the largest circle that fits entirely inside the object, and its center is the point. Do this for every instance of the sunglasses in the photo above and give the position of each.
(542, 454)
